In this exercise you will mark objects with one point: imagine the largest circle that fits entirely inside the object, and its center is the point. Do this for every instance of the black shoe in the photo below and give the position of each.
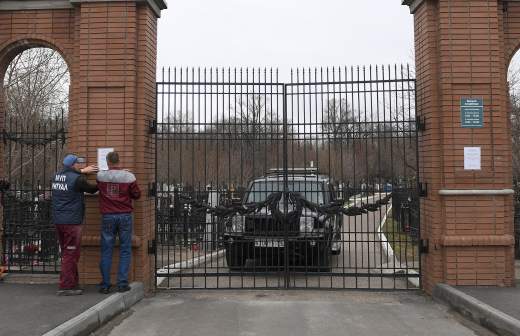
(104, 290)
(123, 289)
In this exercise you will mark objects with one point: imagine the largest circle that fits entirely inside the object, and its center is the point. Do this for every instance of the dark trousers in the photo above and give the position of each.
(69, 237)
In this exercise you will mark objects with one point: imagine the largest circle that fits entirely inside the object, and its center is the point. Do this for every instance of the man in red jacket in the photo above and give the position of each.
(117, 189)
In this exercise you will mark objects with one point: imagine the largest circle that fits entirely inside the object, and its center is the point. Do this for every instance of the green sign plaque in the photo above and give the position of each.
(472, 112)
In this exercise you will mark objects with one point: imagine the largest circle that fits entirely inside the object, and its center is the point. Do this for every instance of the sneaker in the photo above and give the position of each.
(123, 289)
(104, 290)
(69, 292)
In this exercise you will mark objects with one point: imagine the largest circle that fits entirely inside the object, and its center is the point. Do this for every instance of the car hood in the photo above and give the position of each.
(306, 212)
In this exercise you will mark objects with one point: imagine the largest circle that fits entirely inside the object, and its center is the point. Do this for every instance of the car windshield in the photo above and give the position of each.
(311, 190)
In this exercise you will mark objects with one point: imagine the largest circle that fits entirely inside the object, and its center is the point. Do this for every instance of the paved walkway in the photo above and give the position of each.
(273, 313)
(506, 300)
(28, 310)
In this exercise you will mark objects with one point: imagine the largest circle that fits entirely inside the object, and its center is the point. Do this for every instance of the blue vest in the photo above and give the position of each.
(68, 205)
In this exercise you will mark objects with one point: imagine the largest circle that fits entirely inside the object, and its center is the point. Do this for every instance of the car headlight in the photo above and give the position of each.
(306, 224)
(237, 223)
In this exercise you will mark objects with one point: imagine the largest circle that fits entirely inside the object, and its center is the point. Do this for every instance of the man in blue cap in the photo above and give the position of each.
(68, 209)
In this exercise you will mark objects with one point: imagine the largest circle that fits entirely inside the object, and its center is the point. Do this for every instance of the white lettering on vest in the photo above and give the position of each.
(60, 186)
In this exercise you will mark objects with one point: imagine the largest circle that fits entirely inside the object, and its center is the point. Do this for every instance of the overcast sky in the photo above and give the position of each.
(284, 33)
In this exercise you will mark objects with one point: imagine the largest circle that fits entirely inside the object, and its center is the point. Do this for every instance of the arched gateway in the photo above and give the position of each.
(462, 52)
(110, 48)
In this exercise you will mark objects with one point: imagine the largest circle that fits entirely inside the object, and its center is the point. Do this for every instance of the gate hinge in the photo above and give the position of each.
(152, 189)
(424, 246)
(423, 189)
(152, 246)
(152, 126)
(420, 123)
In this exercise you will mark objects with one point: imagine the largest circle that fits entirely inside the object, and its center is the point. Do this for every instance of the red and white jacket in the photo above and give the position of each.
(117, 189)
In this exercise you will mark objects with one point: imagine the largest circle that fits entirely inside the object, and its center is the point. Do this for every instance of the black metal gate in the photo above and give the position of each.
(310, 184)
(33, 147)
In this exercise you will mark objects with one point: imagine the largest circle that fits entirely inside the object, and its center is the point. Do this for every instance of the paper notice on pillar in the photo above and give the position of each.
(102, 157)
(472, 158)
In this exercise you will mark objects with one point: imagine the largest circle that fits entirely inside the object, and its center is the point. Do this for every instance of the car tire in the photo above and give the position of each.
(318, 259)
(235, 256)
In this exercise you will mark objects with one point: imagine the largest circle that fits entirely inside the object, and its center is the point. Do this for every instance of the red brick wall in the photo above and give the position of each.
(117, 94)
(460, 52)
(427, 75)
(110, 48)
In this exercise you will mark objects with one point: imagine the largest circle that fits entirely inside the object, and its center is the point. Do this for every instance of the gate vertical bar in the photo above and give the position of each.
(285, 189)
(157, 188)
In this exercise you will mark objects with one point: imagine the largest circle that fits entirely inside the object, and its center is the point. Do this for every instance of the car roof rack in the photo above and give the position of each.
(293, 171)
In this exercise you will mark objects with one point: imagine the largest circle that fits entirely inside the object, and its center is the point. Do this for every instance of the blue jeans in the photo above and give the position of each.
(114, 224)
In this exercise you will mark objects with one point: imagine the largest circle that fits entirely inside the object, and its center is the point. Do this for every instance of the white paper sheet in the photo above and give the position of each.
(102, 157)
(472, 158)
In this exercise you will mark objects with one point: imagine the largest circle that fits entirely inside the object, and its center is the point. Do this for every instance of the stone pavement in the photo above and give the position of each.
(506, 300)
(498, 309)
(277, 313)
(28, 310)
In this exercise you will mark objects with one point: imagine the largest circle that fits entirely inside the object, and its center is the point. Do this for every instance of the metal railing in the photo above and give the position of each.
(32, 154)
(516, 186)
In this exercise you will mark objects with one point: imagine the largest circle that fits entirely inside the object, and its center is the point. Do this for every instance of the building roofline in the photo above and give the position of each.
(413, 4)
(11, 5)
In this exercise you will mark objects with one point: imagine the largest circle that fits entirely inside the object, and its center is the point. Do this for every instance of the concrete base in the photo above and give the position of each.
(32, 279)
(517, 271)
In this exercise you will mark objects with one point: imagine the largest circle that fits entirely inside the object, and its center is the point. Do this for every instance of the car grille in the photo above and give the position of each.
(267, 226)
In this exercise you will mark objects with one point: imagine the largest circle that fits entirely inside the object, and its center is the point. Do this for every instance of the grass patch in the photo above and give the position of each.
(405, 248)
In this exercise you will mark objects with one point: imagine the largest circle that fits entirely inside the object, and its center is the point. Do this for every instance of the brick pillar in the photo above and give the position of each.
(110, 48)
(467, 216)
(115, 103)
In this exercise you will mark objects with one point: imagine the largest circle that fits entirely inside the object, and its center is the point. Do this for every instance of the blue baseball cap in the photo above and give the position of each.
(71, 159)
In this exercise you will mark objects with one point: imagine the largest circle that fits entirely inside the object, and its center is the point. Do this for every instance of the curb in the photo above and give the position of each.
(94, 317)
(476, 310)
(186, 265)
(389, 251)
(385, 245)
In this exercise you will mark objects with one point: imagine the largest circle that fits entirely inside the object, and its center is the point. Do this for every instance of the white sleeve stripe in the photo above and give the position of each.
(115, 176)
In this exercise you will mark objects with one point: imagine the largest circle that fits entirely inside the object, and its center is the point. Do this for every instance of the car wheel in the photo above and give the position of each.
(318, 259)
(235, 256)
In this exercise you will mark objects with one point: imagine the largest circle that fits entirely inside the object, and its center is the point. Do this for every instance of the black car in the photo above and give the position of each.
(285, 232)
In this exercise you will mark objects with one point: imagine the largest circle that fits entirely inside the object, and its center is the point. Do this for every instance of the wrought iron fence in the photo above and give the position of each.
(177, 222)
(32, 152)
(517, 218)
(405, 204)
(341, 138)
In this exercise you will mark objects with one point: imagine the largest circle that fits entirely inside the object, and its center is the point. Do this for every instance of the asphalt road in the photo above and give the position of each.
(282, 313)
(362, 264)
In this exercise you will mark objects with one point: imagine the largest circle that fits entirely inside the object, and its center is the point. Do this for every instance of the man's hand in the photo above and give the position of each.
(90, 170)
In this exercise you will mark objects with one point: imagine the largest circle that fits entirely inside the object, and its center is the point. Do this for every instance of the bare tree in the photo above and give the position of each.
(513, 78)
(338, 120)
(36, 91)
(36, 86)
